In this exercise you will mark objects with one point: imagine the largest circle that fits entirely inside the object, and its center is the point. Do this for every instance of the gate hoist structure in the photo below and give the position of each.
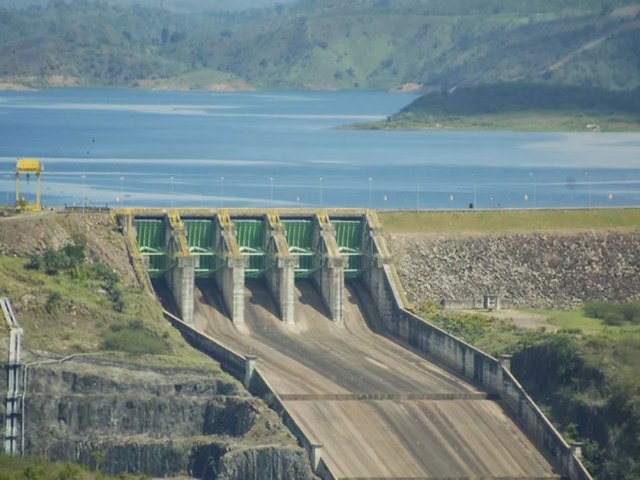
(28, 166)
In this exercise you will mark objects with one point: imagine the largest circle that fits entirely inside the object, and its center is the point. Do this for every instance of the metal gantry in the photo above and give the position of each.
(28, 167)
(299, 233)
(250, 234)
(202, 245)
(349, 237)
(151, 239)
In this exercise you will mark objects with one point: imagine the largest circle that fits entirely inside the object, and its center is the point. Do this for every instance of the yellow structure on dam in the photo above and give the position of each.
(28, 167)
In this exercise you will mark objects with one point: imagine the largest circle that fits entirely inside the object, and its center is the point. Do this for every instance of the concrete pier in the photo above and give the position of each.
(280, 277)
(329, 279)
(229, 279)
(181, 275)
(181, 280)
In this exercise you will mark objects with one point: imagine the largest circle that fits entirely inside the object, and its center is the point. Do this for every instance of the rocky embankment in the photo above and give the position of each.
(526, 270)
(156, 422)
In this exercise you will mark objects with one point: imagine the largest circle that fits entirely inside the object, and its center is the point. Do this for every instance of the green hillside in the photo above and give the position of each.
(325, 44)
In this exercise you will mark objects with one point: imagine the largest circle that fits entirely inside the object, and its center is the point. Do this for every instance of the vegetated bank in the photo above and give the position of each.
(519, 106)
(134, 397)
(586, 379)
(16, 468)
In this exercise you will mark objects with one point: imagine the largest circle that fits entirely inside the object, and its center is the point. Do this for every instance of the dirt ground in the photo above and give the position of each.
(33, 233)
(522, 319)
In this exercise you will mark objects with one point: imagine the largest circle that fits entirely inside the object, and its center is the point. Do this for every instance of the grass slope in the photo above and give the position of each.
(30, 468)
(73, 311)
(517, 221)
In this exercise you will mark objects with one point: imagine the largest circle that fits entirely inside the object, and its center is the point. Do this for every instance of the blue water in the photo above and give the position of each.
(281, 149)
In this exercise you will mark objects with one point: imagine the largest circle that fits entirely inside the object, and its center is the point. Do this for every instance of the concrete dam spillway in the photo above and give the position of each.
(306, 309)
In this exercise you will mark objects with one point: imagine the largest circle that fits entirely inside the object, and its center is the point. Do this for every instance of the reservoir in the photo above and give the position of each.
(285, 149)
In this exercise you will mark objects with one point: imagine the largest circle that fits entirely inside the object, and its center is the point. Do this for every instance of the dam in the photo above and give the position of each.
(307, 310)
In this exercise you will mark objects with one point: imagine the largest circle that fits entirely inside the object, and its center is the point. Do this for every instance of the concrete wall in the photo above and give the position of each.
(466, 360)
(230, 361)
(245, 370)
(260, 387)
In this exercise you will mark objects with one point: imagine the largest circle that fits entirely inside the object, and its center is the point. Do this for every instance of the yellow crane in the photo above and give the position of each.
(28, 166)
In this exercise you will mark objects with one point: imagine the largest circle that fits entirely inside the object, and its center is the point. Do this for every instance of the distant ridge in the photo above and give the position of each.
(320, 44)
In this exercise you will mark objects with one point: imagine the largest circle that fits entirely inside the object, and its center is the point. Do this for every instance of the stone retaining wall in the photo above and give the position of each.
(526, 270)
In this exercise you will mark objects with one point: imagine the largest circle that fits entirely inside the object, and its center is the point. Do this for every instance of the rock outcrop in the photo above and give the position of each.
(156, 422)
(526, 270)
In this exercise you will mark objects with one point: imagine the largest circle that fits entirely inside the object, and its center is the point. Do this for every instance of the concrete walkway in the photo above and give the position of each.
(380, 410)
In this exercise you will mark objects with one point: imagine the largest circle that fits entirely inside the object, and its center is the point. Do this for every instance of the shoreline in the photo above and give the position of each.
(533, 123)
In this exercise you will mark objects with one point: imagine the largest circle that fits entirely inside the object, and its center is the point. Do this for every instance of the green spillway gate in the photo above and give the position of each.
(250, 238)
(151, 238)
(300, 239)
(202, 245)
(349, 239)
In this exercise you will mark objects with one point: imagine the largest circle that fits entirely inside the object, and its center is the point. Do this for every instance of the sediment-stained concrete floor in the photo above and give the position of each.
(380, 410)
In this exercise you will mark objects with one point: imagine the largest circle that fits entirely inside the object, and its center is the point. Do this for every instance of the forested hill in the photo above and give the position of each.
(323, 44)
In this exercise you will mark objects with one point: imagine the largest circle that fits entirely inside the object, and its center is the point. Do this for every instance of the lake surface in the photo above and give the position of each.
(281, 149)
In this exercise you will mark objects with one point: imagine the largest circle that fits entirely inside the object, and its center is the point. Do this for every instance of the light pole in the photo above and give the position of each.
(321, 193)
(171, 190)
(221, 192)
(370, 194)
(418, 195)
(475, 190)
(271, 189)
(475, 194)
(84, 191)
(6, 193)
(586, 174)
(121, 199)
(535, 189)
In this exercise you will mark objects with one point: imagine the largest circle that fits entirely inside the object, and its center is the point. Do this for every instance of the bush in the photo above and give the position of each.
(33, 263)
(134, 341)
(595, 309)
(53, 302)
(111, 283)
(614, 313)
(613, 318)
(53, 261)
(102, 272)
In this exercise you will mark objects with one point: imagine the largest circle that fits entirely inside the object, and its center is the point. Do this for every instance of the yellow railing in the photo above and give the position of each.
(177, 228)
(230, 239)
(279, 234)
(136, 258)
